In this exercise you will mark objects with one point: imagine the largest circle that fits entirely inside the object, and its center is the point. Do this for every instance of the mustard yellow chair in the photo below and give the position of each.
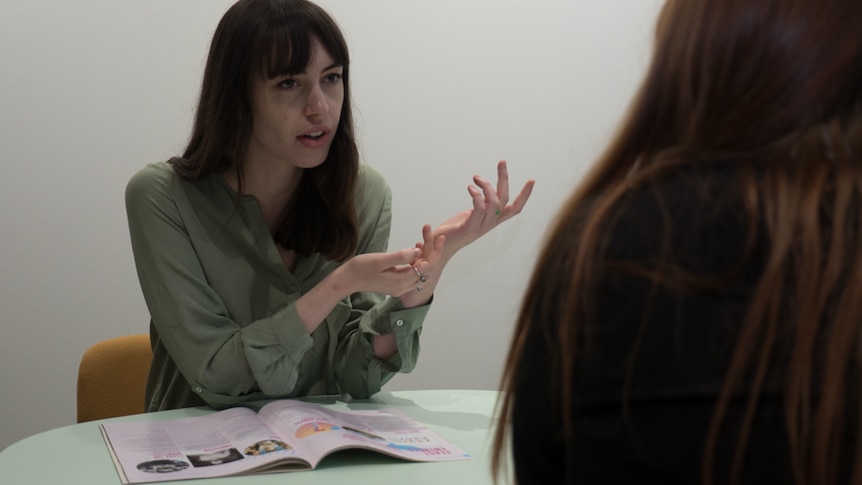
(112, 377)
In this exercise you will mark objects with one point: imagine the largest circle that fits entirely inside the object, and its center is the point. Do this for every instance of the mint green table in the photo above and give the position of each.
(76, 454)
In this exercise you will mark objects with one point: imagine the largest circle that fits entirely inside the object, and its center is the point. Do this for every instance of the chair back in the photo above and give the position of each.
(112, 377)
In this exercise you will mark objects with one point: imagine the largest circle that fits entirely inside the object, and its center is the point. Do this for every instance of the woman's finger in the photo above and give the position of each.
(503, 183)
(474, 221)
(493, 207)
(396, 260)
(520, 201)
(426, 265)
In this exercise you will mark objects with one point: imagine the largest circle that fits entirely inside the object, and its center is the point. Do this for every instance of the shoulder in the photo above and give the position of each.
(702, 184)
(370, 180)
(372, 189)
(373, 210)
(687, 194)
(153, 181)
(697, 209)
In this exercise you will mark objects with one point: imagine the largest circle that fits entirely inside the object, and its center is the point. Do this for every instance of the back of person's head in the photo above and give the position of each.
(267, 39)
(733, 77)
(772, 88)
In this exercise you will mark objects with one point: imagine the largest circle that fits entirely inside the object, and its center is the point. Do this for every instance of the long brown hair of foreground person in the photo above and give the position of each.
(771, 89)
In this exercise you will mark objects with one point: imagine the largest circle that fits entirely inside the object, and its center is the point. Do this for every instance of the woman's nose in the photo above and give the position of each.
(316, 103)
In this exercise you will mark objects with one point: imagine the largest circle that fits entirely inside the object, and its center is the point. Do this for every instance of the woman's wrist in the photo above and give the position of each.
(423, 291)
(314, 306)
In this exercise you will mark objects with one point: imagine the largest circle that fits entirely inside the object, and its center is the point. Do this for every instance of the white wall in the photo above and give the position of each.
(92, 90)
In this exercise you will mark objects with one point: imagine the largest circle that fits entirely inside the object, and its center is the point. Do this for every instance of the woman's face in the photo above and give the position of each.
(295, 116)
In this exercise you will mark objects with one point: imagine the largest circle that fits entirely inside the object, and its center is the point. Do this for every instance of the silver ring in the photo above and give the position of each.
(421, 277)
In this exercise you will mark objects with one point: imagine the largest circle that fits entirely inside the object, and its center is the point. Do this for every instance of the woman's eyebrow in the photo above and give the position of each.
(334, 65)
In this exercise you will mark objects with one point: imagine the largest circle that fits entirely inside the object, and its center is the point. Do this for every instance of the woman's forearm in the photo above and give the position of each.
(317, 303)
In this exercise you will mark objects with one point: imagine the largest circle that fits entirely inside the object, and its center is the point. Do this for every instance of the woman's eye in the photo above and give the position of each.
(288, 83)
(333, 77)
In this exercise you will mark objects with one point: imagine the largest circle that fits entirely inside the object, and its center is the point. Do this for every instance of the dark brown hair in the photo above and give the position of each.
(273, 38)
(777, 83)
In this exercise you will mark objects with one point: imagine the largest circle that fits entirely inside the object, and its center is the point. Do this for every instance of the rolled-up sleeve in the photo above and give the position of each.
(358, 372)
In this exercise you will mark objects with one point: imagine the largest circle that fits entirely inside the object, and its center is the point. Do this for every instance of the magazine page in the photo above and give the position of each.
(228, 442)
(321, 431)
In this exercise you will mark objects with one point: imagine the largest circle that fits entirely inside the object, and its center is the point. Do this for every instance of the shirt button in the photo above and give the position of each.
(292, 288)
(199, 390)
(399, 323)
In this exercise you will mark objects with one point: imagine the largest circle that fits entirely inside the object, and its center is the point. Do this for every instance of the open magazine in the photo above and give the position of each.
(284, 435)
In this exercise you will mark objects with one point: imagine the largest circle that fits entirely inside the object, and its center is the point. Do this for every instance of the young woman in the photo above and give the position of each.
(695, 314)
(261, 251)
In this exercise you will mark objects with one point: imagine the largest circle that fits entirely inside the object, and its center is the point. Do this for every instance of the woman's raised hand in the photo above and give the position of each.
(413, 274)
(491, 207)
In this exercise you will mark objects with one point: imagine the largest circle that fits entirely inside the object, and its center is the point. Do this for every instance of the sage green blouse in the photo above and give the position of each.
(224, 327)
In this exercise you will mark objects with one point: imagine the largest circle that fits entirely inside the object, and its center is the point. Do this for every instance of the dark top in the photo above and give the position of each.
(646, 386)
